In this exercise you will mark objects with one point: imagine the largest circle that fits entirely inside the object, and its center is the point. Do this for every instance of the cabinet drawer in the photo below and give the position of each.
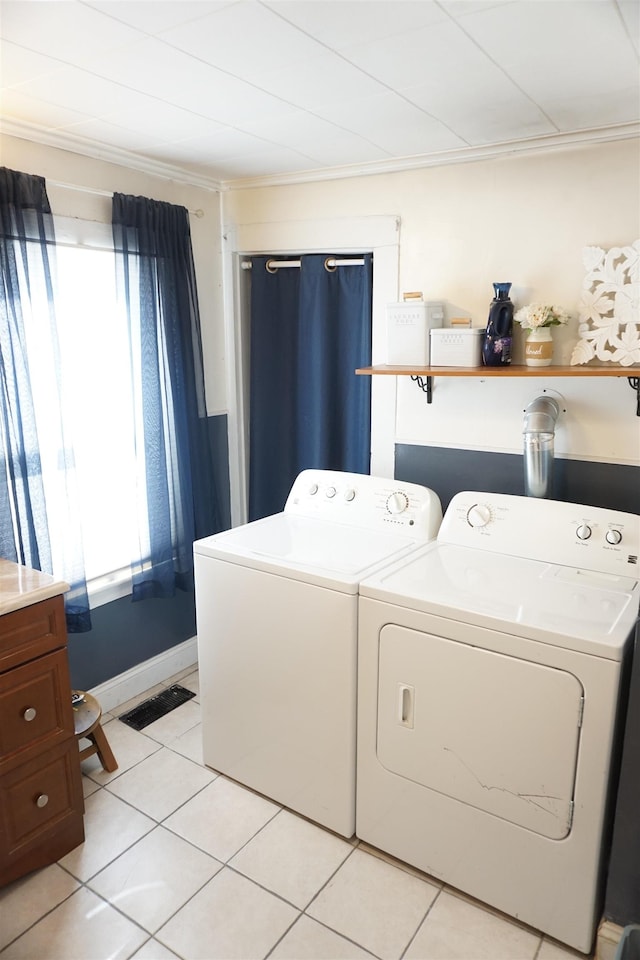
(37, 798)
(32, 631)
(35, 706)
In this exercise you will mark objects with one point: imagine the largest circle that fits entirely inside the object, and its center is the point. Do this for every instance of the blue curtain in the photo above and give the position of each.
(176, 495)
(310, 329)
(38, 527)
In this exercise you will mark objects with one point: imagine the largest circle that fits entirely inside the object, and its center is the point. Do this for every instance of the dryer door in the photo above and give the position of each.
(496, 732)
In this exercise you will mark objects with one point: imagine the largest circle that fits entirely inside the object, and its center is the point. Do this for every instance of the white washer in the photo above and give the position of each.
(489, 670)
(277, 616)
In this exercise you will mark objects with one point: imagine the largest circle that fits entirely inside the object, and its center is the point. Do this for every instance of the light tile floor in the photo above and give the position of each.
(179, 862)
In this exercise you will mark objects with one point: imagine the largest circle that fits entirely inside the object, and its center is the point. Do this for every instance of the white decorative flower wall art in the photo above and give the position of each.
(609, 310)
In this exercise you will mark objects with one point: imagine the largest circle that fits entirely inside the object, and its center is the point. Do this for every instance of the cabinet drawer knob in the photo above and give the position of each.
(42, 800)
(29, 714)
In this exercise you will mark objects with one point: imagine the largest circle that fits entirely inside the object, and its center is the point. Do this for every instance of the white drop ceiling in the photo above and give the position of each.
(279, 90)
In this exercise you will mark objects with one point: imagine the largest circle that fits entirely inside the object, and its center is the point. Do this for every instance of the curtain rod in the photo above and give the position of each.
(101, 193)
(330, 264)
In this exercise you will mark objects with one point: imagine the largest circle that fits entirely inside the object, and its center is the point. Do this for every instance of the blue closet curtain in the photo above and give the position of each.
(156, 276)
(310, 329)
(38, 526)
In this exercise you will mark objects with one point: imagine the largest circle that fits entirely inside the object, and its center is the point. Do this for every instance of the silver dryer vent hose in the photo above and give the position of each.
(539, 430)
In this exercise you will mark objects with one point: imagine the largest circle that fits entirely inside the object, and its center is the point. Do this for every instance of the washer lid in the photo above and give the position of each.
(580, 610)
(316, 551)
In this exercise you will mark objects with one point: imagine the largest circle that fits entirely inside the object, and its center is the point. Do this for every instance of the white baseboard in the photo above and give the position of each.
(609, 936)
(145, 675)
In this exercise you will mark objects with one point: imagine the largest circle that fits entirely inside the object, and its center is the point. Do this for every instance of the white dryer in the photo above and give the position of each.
(277, 619)
(490, 664)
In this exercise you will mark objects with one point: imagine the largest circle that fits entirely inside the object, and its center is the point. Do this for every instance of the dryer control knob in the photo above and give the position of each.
(330, 492)
(614, 537)
(313, 489)
(349, 494)
(583, 532)
(479, 515)
(397, 502)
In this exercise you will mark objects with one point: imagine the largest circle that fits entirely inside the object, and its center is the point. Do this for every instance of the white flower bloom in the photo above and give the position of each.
(541, 315)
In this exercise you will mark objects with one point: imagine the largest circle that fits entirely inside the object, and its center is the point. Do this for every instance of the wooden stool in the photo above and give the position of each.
(86, 714)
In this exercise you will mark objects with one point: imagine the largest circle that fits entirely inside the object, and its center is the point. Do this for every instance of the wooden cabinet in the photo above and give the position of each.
(41, 801)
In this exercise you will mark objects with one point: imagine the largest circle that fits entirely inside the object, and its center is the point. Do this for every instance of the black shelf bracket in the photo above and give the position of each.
(425, 384)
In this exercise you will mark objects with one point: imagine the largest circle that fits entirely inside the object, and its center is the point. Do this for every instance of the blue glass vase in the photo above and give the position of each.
(498, 337)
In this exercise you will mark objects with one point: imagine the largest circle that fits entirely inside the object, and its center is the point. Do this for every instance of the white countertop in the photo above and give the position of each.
(20, 586)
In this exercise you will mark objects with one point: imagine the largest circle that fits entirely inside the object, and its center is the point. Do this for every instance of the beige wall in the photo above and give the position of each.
(522, 218)
(94, 175)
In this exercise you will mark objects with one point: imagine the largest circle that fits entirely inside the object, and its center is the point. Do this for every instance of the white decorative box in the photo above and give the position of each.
(451, 347)
(408, 326)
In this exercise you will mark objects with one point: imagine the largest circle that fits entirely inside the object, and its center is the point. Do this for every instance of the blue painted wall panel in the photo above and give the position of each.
(448, 471)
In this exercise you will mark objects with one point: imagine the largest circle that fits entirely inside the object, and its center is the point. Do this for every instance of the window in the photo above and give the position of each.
(97, 396)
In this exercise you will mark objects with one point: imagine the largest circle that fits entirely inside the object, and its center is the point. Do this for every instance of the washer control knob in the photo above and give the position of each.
(397, 502)
(349, 494)
(313, 489)
(614, 537)
(330, 492)
(479, 515)
(583, 532)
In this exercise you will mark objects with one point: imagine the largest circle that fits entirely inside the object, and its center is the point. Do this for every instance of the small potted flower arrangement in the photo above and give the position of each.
(536, 320)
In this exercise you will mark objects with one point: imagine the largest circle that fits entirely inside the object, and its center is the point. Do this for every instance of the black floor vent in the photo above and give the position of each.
(156, 707)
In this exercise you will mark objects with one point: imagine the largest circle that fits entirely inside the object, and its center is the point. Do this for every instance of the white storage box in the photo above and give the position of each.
(408, 326)
(457, 347)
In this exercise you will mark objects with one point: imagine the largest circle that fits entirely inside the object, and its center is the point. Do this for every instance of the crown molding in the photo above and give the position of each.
(622, 131)
(97, 151)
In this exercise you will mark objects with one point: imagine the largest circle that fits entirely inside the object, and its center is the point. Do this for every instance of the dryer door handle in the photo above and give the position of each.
(406, 698)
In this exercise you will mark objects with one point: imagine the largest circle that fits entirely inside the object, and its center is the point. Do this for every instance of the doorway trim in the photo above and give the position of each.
(377, 234)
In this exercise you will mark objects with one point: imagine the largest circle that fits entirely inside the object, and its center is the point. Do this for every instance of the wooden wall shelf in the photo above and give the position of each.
(512, 370)
(424, 375)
